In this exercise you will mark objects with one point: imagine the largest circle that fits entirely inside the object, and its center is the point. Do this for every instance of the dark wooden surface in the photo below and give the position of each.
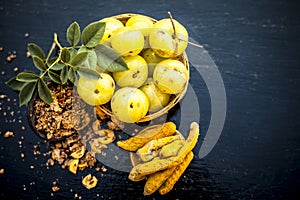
(255, 45)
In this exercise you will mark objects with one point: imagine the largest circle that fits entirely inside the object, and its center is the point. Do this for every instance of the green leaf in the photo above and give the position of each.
(44, 92)
(39, 63)
(64, 75)
(54, 77)
(27, 77)
(89, 73)
(79, 58)
(109, 59)
(14, 84)
(57, 66)
(92, 34)
(65, 55)
(46, 79)
(73, 34)
(26, 93)
(73, 53)
(51, 61)
(71, 75)
(35, 50)
(91, 61)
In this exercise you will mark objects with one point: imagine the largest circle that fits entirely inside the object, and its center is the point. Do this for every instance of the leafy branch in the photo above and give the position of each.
(63, 68)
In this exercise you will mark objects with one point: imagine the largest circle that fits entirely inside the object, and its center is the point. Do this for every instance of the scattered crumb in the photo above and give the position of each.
(55, 187)
(1, 48)
(28, 54)
(16, 69)
(89, 181)
(22, 155)
(8, 134)
(26, 35)
(1, 171)
(103, 168)
(10, 57)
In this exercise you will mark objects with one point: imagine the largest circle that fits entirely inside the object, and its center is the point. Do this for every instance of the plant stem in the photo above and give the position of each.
(171, 18)
(50, 51)
(75, 47)
(175, 35)
(56, 41)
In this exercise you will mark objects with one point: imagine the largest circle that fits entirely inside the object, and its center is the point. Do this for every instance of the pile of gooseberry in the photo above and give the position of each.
(153, 51)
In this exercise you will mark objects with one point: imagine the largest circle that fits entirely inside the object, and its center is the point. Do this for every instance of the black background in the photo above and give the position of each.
(255, 45)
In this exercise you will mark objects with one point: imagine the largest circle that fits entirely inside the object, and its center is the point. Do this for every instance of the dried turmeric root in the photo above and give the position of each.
(155, 165)
(136, 142)
(156, 180)
(150, 149)
(171, 149)
(174, 177)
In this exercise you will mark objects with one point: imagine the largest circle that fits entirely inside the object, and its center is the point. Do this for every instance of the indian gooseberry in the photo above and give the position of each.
(136, 74)
(127, 41)
(157, 99)
(170, 76)
(111, 25)
(129, 104)
(140, 22)
(152, 59)
(165, 41)
(96, 92)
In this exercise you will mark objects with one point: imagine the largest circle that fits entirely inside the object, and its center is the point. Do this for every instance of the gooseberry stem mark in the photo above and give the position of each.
(171, 18)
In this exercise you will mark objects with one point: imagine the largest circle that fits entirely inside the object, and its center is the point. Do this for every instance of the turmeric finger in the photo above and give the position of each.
(136, 142)
(174, 177)
(150, 149)
(156, 180)
(161, 164)
(171, 149)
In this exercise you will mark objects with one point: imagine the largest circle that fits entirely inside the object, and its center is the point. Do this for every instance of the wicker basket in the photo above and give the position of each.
(174, 98)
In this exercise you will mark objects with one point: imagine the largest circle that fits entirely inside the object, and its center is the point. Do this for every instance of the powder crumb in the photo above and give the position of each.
(8, 134)
(11, 57)
(103, 169)
(55, 188)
